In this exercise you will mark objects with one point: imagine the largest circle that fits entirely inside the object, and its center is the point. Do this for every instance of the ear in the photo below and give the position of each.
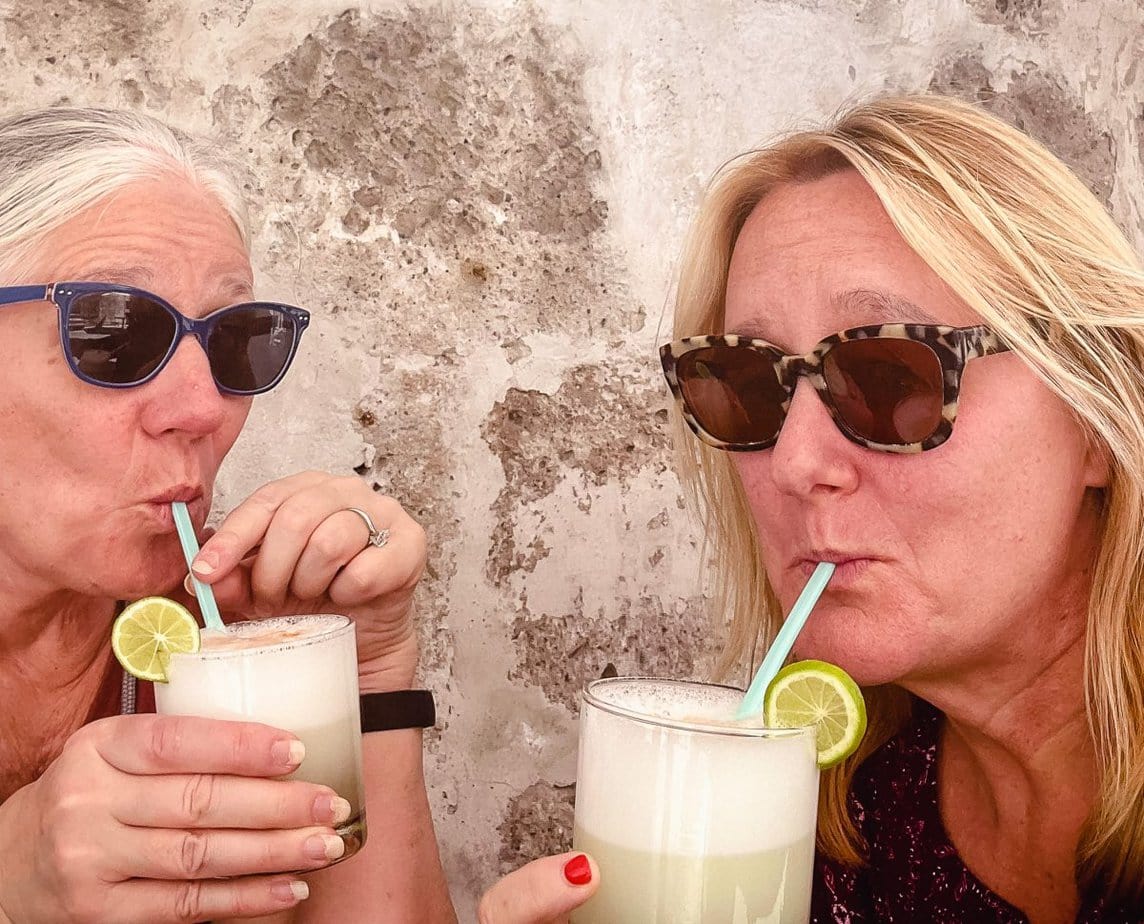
(1097, 463)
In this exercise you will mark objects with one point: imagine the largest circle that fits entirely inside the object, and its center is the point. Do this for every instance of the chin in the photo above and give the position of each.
(865, 657)
(144, 575)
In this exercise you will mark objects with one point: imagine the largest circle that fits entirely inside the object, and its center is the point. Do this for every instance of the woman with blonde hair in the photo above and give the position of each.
(921, 338)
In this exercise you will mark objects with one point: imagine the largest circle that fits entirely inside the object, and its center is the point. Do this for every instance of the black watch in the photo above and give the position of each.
(397, 709)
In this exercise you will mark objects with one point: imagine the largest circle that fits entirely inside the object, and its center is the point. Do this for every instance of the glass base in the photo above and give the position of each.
(352, 834)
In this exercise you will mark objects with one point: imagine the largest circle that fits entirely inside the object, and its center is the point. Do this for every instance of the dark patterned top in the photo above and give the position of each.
(914, 873)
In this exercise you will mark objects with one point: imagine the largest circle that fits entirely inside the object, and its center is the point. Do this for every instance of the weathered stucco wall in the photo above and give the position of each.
(482, 203)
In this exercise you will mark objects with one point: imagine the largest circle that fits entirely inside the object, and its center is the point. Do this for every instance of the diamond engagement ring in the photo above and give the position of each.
(377, 537)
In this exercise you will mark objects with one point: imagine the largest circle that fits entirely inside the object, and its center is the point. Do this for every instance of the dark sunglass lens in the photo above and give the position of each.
(732, 392)
(886, 390)
(116, 338)
(249, 347)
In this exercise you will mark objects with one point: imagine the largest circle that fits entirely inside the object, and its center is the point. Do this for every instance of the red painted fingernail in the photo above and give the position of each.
(578, 870)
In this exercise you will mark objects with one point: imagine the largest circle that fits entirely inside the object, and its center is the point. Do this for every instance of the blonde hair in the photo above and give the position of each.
(56, 162)
(1021, 240)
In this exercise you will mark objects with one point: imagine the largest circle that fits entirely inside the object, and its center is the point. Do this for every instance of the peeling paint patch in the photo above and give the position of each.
(1040, 104)
(109, 32)
(412, 462)
(538, 823)
(399, 419)
(111, 53)
(228, 13)
(647, 636)
(604, 423)
(1140, 135)
(449, 154)
(1025, 16)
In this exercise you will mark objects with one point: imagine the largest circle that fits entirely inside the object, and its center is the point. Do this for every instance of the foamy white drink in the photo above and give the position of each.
(297, 673)
(693, 817)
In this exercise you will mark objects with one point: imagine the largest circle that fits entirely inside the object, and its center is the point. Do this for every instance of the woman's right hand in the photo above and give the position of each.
(543, 892)
(140, 815)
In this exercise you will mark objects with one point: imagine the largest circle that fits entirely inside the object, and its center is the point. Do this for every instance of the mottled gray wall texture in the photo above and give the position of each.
(482, 202)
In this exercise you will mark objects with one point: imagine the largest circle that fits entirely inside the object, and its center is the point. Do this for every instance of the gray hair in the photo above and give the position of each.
(56, 162)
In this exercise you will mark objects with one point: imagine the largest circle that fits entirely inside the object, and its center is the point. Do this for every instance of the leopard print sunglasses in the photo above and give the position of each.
(889, 387)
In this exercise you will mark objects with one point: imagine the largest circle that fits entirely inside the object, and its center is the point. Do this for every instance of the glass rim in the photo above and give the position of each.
(340, 625)
(590, 698)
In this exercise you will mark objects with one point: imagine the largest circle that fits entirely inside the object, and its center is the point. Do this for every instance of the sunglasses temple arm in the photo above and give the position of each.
(15, 295)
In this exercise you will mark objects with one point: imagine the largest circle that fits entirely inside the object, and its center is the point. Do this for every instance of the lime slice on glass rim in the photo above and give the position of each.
(148, 631)
(823, 695)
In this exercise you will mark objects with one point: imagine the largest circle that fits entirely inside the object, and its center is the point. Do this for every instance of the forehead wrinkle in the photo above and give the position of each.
(127, 274)
(872, 306)
(227, 285)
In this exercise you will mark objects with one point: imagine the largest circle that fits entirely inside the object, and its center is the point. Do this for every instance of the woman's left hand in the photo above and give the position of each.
(294, 547)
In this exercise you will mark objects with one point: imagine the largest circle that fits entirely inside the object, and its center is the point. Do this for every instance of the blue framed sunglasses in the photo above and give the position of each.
(118, 336)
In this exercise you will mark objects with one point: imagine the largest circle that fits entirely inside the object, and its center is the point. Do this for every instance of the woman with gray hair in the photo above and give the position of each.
(108, 416)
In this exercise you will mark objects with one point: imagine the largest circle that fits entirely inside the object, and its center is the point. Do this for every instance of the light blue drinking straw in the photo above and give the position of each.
(190, 550)
(753, 702)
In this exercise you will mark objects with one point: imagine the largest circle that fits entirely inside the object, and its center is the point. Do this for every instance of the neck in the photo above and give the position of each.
(53, 639)
(1020, 710)
(1017, 770)
(55, 657)
(1025, 724)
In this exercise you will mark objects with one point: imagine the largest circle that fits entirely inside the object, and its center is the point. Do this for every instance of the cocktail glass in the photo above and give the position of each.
(693, 817)
(297, 673)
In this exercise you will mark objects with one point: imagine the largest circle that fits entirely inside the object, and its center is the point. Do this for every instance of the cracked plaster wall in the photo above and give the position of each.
(482, 203)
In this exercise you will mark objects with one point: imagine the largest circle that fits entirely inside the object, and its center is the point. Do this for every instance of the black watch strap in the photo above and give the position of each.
(397, 709)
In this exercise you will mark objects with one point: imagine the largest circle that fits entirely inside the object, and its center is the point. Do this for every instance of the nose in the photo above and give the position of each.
(811, 456)
(183, 396)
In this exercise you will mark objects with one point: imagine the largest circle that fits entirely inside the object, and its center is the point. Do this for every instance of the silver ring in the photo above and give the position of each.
(377, 537)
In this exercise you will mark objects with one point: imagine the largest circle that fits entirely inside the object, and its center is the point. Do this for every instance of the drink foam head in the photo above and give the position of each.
(672, 702)
(279, 632)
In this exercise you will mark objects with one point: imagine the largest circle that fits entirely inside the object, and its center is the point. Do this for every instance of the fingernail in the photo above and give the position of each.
(204, 565)
(578, 870)
(290, 752)
(341, 810)
(332, 808)
(290, 892)
(324, 847)
(188, 584)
